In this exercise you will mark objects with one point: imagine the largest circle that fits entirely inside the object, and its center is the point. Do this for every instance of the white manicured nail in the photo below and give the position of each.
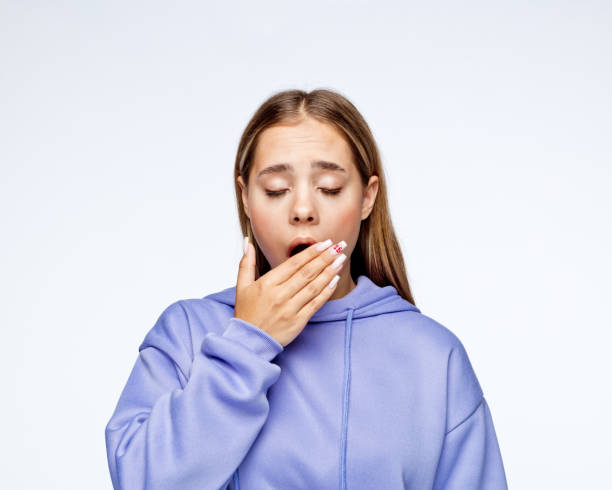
(323, 245)
(333, 282)
(245, 245)
(338, 247)
(338, 262)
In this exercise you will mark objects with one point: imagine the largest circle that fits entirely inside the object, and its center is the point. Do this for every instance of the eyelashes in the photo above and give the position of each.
(331, 192)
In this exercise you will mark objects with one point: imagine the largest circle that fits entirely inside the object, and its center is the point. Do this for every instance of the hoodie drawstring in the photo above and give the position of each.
(345, 402)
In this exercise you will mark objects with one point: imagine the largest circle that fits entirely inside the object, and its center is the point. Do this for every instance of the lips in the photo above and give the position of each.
(296, 242)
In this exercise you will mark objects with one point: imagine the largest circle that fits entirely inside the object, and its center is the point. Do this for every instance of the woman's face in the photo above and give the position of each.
(292, 194)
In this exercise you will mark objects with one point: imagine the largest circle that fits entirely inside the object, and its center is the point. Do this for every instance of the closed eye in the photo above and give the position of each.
(325, 191)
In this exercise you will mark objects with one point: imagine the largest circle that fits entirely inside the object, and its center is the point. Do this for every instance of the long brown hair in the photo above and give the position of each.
(377, 253)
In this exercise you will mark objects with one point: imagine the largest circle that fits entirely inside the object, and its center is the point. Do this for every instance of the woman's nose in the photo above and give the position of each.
(298, 219)
(303, 213)
(303, 210)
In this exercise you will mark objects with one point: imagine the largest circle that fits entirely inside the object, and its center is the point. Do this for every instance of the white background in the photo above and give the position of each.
(119, 123)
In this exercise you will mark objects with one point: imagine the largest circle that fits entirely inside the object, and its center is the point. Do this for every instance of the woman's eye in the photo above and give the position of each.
(325, 191)
(275, 193)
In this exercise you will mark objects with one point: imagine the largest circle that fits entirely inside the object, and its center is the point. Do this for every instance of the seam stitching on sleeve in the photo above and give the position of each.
(447, 372)
(467, 418)
(189, 336)
(172, 361)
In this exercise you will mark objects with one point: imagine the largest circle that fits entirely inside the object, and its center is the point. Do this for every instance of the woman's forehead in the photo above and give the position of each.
(306, 147)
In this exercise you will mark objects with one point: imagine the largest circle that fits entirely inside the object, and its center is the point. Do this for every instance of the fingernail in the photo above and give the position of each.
(323, 245)
(338, 247)
(245, 245)
(338, 262)
(333, 282)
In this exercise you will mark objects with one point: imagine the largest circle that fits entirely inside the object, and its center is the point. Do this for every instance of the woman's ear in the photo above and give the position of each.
(369, 197)
(244, 195)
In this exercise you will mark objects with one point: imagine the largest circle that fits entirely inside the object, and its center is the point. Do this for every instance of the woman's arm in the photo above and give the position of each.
(470, 456)
(177, 430)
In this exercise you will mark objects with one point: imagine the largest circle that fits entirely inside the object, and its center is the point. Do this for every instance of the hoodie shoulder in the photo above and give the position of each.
(171, 334)
(207, 314)
(463, 390)
(183, 324)
(431, 332)
(170, 327)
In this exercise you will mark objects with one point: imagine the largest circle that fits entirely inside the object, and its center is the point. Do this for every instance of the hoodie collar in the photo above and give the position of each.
(366, 299)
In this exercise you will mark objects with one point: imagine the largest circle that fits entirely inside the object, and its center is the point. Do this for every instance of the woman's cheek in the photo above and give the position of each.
(265, 228)
(261, 225)
(347, 217)
(349, 224)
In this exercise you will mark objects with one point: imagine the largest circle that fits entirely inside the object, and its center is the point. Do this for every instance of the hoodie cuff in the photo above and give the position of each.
(253, 337)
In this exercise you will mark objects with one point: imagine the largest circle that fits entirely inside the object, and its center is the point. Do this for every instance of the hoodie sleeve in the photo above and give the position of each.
(470, 457)
(187, 423)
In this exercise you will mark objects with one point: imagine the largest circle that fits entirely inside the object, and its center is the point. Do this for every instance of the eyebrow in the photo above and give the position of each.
(286, 167)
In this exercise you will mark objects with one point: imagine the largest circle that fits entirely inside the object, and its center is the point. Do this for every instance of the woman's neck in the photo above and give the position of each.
(345, 283)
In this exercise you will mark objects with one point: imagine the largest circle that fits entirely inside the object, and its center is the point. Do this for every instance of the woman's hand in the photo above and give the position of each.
(282, 300)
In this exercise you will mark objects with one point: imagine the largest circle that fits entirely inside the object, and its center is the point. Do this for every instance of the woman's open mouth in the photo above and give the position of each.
(299, 244)
(298, 249)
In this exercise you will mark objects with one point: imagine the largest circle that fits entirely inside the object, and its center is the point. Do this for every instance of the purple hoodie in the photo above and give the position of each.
(372, 394)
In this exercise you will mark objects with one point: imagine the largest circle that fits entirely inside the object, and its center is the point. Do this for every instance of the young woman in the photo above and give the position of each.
(317, 370)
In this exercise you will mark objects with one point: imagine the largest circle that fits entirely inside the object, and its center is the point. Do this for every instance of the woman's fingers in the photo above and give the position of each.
(282, 309)
(304, 276)
(246, 269)
(281, 273)
(313, 296)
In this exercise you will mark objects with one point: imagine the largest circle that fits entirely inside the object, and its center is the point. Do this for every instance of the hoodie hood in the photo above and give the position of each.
(366, 299)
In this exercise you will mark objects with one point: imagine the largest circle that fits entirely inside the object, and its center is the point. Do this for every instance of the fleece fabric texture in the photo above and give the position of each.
(372, 394)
